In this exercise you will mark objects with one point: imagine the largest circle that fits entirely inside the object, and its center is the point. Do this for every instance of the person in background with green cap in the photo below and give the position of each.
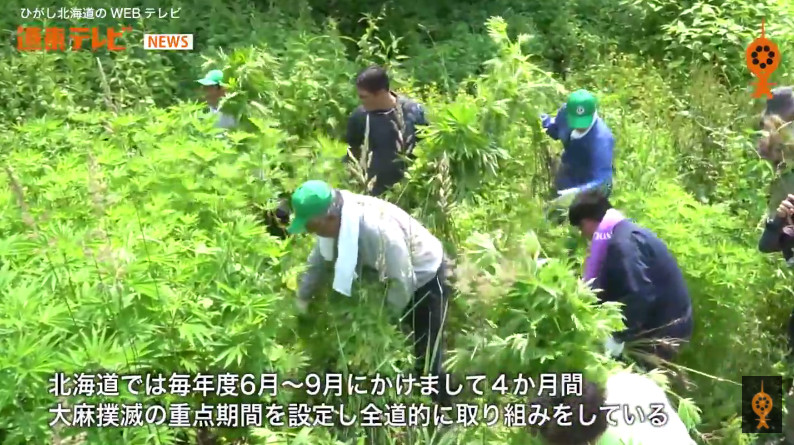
(588, 143)
(275, 219)
(214, 90)
(358, 232)
(598, 415)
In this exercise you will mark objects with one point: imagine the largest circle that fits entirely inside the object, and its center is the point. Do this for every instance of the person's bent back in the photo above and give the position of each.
(631, 265)
(591, 423)
(587, 405)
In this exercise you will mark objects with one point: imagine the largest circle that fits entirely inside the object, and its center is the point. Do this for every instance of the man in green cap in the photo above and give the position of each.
(214, 91)
(274, 219)
(357, 232)
(586, 161)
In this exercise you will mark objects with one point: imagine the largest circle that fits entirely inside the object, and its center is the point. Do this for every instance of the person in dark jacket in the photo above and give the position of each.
(631, 265)
(588, 143)
(387, 124)
(776, 143)
(778, 236)
(275, 219)
(780, 104)
(778, 233)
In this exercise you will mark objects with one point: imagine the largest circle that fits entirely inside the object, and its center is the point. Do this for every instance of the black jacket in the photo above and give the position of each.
(640, 272)
(386, 164)
(776, 239)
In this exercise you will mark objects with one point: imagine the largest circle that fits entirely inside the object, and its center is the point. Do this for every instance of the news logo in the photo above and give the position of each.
(168, 42)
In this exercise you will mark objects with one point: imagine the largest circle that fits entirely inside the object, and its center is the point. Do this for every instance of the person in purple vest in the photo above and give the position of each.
(586, 161)
(629, 264)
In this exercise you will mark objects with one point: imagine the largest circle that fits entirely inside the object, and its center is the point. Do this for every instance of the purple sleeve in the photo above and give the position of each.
(597, 251)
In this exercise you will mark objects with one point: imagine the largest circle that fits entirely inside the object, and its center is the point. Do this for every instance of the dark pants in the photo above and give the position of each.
(381, 187)
(680, 332)
(426, 315)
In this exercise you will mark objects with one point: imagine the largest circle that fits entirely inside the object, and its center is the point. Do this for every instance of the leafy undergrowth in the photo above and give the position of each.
(130, 244)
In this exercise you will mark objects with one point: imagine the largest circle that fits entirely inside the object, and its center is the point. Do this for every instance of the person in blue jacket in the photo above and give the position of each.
(587, 141)
(631, 265)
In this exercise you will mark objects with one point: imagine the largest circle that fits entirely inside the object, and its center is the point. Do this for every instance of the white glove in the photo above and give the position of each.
(301, 305)
(565, 198)
(567, 192)
(613, 348)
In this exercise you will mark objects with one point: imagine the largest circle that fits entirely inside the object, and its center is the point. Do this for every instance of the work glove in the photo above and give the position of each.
(564, 198)
(570, 191)
(613, 348)
(546, 120)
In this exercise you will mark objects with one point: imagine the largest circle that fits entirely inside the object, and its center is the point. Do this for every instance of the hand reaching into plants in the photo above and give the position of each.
(786, 207)
(613, 348)
(564, 198)
(546, 120)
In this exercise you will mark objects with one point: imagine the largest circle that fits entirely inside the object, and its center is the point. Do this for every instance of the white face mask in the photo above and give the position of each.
(576, 134)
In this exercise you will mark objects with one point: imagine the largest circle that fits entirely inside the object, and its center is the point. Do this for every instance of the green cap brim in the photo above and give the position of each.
(575, 121)
(207, 82)
(298, 226)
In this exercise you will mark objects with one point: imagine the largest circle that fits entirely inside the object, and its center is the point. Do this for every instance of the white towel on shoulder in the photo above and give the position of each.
(346, 261)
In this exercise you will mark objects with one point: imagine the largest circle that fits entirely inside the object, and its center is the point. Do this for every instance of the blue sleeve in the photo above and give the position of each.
(602, 162)
(552, 126)
(562, 180)
(628, 283)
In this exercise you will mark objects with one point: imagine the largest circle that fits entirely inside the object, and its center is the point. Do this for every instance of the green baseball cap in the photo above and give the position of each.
(311, 199)
(214, 77)
(580, 109)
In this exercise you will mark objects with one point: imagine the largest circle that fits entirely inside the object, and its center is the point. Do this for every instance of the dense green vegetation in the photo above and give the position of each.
(130, 243)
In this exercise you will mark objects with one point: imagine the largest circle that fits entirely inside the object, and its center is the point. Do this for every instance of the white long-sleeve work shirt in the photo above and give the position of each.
(390, 242)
